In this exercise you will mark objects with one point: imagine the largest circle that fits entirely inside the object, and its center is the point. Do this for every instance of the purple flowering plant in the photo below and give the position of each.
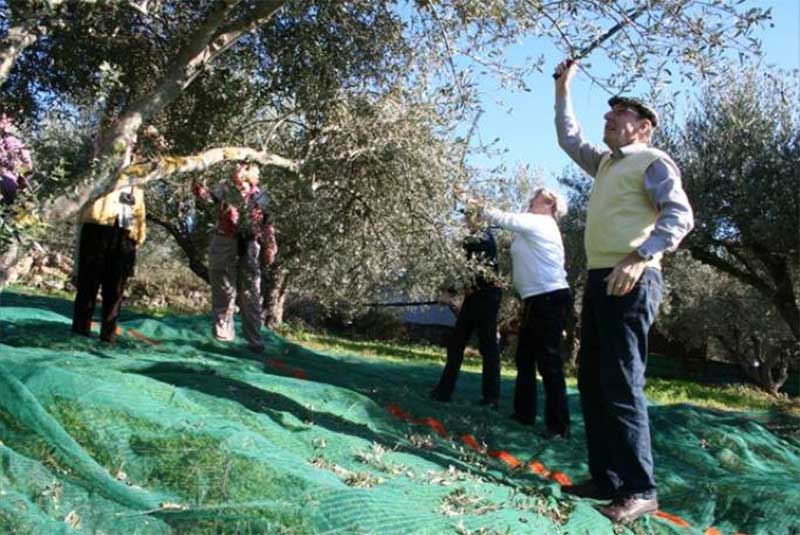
(15, 161)
(16, 166)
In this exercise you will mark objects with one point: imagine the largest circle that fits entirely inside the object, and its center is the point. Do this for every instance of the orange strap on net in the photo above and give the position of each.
(278, 364)
(434, 424)
(504, 456)
(561, 478)
(470, 441)
(538, 468)
(397, 412)
(133, 332)
(678, 521)
(117, 329)
(140, 336)
(535, 467)
(298, 373)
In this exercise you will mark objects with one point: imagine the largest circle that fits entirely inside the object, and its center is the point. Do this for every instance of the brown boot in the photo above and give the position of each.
(627, 509)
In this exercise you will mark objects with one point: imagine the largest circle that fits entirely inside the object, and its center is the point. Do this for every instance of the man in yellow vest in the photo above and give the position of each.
(637, 211)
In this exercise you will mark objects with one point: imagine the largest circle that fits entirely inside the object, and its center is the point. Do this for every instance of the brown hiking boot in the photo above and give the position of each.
(589, 489)
(627, 509)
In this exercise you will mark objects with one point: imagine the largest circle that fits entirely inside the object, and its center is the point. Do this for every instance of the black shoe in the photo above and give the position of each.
(589, 489)
(438, 396)
(520, 420)
(107, 337)
(108, 333)
(491, 403)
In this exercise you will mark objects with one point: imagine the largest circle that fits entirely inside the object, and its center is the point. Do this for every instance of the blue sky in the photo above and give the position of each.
(527, 130)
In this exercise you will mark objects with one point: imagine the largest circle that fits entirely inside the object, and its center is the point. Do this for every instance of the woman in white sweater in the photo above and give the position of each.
(537, 254)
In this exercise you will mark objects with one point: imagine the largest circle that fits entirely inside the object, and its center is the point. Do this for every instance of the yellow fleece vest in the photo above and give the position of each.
(620, 216)
(104, 211)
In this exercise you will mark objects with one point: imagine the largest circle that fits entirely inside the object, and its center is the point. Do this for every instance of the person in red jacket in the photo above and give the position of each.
(244, 235)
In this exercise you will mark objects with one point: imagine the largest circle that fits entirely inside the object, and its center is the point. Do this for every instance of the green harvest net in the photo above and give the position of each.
(169, 431)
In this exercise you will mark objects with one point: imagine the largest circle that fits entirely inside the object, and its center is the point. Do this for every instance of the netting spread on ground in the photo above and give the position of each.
(169, 431)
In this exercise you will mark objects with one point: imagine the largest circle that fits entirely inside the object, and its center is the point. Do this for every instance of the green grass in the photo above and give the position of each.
(661, 391)
(728, 397)
(337, 345)
(49, 292)
(392, 351)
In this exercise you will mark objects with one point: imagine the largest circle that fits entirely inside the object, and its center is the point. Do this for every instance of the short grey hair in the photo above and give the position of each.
(561, 206)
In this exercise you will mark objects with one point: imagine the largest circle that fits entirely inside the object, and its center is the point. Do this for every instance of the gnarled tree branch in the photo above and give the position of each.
(142, 173)
(214, 36)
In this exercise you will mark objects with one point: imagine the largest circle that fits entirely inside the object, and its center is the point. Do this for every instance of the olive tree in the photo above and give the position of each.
(293, 85)
(166, 45)
(739, 152)
(709, 311)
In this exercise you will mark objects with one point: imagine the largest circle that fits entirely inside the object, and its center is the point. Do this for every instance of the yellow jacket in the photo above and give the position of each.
(104, 211)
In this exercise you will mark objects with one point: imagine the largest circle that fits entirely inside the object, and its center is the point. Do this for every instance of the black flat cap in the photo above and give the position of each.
(637, 105)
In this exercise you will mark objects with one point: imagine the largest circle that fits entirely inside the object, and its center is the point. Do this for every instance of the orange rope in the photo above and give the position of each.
(678, 521)
(140, 336)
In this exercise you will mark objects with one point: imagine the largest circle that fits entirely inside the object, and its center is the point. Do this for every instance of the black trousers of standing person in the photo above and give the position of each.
(478, 313)
(544, 317)
(106, 258)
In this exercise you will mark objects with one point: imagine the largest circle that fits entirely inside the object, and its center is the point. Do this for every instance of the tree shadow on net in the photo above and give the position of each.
(276, 405)
(55, 337)
(59, 305)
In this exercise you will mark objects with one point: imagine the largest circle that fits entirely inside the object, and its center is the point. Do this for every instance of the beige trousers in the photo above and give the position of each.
(235, 277)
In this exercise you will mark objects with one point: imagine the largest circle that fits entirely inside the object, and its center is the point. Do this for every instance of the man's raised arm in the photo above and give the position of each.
(586, 155)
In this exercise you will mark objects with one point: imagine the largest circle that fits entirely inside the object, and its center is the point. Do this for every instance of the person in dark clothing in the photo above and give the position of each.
(111, 230)
(478, 313)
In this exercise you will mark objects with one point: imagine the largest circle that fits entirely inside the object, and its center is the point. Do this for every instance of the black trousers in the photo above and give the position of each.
(539, 346)
(106, 258)
(478, 313)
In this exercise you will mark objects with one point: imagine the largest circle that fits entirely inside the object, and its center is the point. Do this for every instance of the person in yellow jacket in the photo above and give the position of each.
(111, 229)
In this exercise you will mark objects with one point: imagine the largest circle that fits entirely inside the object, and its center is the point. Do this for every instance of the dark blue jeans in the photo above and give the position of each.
(539, 346)
(478, 313)
(612, 361)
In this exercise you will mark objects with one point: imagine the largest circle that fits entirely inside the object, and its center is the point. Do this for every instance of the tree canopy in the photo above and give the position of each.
(356, 109)
(739, 152)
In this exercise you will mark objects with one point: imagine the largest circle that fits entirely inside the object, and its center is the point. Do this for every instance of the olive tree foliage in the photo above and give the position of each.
(739, 152)
(369, 208)
(375, 219)
(340, 102)
(79, 59)
(177, 41)
(381, 220)
(711, 312)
